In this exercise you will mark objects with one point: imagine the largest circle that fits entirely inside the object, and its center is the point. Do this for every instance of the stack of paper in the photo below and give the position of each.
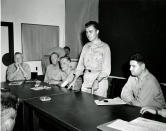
(126, 126)
(150, 124)
(138, 124)
(38, 88)
(115, 101)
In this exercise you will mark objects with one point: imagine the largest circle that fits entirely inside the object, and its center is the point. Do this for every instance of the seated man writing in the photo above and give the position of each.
(18, 70)
(142, 88)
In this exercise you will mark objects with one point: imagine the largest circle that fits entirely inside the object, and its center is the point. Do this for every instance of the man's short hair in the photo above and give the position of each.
(138, 57)
(51, 55)
(94, 24)
(54, 53)
(65, 57)
(17, 53)
(66, 47)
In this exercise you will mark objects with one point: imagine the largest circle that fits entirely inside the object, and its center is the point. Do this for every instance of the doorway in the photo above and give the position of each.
(7, 47)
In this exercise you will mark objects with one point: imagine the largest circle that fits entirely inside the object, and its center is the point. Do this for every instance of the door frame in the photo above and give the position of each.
(9, 25)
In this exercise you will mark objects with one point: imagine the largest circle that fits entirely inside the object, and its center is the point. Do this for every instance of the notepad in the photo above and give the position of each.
(150, 124)
(37, 88)
(138, 124)
(41, 88)
(114, 101)
(126, 126)
(15, 83)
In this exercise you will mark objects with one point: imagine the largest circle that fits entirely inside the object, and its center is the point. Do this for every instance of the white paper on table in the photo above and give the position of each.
(15, 83)
(126, 126)
(150, 124)
(38, 88)
(114, 101)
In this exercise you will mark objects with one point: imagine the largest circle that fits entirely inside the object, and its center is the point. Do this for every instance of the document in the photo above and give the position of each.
(15, 83)
(150, 124)
(114, 101)
(126, 126)
(138, 124)
(37, 88)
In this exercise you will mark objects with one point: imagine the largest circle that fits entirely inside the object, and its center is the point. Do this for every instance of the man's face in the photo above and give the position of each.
(54, 59)
(67, 52)
(136, 68)
(18, 58)
(91, 33)
(64, 64)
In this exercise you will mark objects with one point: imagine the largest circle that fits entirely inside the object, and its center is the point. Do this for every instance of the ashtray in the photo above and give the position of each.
(45, 98)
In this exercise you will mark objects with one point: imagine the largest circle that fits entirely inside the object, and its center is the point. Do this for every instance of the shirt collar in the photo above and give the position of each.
(96, 45)
(55, 66)
(143, 75)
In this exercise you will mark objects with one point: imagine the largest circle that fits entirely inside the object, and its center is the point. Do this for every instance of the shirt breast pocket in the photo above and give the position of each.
(98, 59)
(98, 56)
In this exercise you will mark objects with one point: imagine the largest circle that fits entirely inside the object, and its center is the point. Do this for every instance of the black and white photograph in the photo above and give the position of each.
(83, 65)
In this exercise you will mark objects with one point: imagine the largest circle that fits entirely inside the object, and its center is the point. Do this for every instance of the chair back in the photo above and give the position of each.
(35, 66)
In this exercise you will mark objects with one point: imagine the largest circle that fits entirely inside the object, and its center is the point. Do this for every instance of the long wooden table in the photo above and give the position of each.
(76, 111)
(67, 110)
(24, 92)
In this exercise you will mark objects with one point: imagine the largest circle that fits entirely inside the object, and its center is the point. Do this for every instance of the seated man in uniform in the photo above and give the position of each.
(18, 70)
(54, 74)
(66, 67)
(142, 88)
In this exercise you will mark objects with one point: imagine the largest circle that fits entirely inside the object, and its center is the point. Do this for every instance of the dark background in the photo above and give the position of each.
(131, 26)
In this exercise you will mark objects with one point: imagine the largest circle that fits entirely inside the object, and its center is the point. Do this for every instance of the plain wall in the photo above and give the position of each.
(44, 12)
(78, 12)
